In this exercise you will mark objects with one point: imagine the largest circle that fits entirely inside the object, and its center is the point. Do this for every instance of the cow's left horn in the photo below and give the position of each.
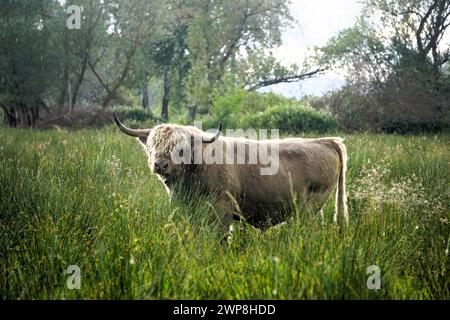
(214, 137)
(140, 133)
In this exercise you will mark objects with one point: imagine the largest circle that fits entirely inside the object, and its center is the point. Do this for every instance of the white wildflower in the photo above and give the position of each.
(114, 165)
(276, 259)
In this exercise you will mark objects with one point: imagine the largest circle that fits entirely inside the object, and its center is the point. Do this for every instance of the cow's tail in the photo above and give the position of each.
(341, 210)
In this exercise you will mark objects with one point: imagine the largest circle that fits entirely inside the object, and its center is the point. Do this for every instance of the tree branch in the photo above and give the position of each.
(422, 26)
(100, 80)
(286, 79)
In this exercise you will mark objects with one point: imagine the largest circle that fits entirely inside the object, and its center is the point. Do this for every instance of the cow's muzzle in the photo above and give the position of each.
(160, 166)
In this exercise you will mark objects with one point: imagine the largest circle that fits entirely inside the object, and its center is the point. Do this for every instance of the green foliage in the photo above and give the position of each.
(241, 109)
(291, 118)
(229, 108)
(87, 198)
(228, 42)
(399, 105)
(199, 48)
(396, 68)
(29, 58)
(358, 46)
(136, 114)
(404, 127)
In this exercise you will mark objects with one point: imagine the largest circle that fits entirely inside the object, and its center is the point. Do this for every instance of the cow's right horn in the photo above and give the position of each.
(214, 137)
(140, 133)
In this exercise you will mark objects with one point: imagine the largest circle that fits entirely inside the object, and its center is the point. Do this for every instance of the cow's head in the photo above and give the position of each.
(170, 148)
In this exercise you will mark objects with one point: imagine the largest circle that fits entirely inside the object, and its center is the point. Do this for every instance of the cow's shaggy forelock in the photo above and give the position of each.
(165, 137)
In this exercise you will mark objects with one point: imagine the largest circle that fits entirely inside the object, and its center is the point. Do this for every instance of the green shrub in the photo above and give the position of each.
(241, 109)
(408, 126)
(405, 103)
(228, 109)
(290, 118)
(136, 114)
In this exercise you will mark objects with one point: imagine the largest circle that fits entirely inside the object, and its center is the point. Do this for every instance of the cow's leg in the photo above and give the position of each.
(225, 211)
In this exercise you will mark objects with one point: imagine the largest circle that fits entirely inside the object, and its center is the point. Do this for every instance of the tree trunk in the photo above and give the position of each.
(11, 116)
(165, 100)
(34, 112)
(23, 116)
(123, 76)
(69, 89)
(192, 112)
(80, 79)
(62, 97)
(145, 98)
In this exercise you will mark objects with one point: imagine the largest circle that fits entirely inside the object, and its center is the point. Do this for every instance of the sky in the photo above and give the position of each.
(317, 21)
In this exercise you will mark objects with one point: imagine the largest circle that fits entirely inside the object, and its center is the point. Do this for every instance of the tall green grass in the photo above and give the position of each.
(87, 198)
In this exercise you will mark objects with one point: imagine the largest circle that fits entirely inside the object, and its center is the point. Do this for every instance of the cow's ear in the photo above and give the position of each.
(143, 139)
(142, 142)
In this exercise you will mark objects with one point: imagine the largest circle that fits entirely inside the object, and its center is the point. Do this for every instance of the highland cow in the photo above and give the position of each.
(307, 171)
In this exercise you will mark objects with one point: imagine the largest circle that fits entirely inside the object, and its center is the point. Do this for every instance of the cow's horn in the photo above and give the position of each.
(214, 137)
(140, 133)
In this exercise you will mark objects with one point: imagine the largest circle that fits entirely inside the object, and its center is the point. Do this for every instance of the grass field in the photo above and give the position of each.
(86, 198)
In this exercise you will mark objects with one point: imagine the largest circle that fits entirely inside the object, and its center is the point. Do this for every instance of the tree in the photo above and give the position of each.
(232, 40)
(130, 24)
(360, 51)
(396, 64)
(196, 49)
(81, 48)
(28, 59)
(419, 25)
(164, 57)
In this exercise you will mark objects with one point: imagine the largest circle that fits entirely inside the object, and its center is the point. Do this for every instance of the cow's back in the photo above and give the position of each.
(308, 171)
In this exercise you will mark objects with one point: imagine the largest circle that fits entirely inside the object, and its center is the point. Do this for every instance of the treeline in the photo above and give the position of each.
(205, 59)
(396, 58)
(52, 60)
